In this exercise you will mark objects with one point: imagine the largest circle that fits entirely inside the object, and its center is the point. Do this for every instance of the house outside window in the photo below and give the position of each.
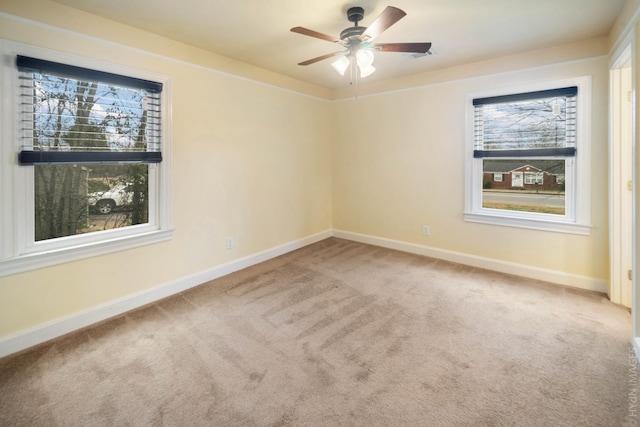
(88, 148)
(537, 138)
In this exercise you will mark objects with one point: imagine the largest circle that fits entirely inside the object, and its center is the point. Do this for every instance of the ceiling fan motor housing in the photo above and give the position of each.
(350, 32)
(355, 15)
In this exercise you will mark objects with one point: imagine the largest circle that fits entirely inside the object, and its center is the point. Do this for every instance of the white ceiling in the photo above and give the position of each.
(462, 31)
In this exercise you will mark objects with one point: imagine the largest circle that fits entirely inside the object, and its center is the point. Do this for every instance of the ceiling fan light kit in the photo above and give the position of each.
(341, 64)
(364, 58)
(358, 41)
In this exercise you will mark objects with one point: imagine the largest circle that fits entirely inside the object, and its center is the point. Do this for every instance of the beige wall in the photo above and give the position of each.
(401, 165)
(250, 161)
(272, 162)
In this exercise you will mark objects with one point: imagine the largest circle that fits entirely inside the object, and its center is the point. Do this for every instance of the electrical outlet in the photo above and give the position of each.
(426, 230)
(230, 242)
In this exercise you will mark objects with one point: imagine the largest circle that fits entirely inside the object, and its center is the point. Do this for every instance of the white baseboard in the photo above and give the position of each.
(58, 327)
(558, 277)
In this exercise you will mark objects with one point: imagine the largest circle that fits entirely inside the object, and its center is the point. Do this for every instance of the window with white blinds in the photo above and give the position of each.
(86, 149)
(71, 114)
(535, 138)
(532, 124)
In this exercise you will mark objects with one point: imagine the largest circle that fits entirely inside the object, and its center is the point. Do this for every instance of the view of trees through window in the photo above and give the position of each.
(66, 114)
(528, 124)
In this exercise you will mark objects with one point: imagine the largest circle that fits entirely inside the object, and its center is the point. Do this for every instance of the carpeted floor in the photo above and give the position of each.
(339, 333)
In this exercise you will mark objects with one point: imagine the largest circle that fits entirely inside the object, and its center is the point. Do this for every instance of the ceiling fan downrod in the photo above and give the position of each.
(355, 15)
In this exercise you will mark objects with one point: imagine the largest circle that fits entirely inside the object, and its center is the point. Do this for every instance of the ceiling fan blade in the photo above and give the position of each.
(387, 18)
(403, 47)
(311, 33)
(321, 58)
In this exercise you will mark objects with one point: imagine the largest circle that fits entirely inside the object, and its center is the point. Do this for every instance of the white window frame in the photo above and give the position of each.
(497, 177)
(18, 250)
(577, 218)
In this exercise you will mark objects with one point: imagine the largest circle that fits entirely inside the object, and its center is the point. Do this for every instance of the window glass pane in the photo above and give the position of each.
(526, 124)
(66, 114)
(77, 199)
(527, 185)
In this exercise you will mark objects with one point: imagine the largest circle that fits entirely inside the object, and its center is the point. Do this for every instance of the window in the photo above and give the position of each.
(88, 154)
(535, 178)
(536, 139)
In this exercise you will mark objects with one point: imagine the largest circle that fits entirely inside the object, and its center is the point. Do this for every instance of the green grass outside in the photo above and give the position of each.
(524, 207)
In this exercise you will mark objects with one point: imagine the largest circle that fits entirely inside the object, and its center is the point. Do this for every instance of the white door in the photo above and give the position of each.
(517, 179)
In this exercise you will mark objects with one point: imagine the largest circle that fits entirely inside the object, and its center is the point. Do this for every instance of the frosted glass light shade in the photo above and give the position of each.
(341, 65)
(365, 58)
(366, 70)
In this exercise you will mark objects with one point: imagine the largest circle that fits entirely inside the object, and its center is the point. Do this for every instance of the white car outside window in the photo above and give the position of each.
(106, 201)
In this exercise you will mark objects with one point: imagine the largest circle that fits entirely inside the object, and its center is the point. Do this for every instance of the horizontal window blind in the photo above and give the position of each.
(71, 114)
(532, 124)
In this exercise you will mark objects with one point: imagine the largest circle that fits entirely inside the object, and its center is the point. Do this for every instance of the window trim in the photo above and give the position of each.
(19, 255)
(577, 220)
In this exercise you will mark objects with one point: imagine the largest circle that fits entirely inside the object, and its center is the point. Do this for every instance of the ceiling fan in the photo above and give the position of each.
(358, 41)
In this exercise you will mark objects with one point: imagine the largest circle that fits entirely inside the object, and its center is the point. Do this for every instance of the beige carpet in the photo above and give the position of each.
(338, 333)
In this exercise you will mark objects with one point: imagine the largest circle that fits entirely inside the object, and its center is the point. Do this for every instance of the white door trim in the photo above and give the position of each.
(621, 124)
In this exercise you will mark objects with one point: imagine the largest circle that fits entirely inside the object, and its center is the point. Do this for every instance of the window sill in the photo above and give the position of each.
(43, 259)
(532, 224)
